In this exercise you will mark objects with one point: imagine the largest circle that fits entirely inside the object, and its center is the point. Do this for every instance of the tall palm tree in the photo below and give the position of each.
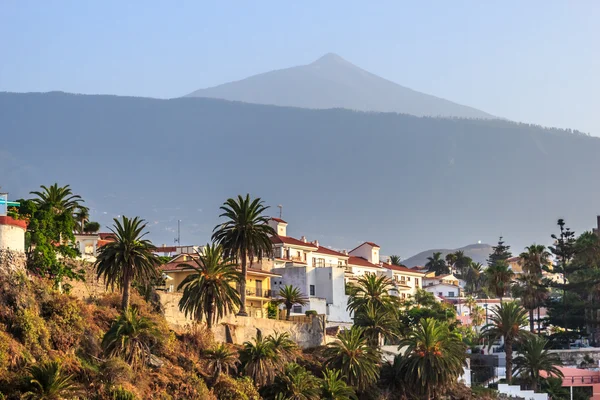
(434, 357)
(371, 289)
(245, 235)
(221, 359)
(532, 294)
(379, 323)
(451, 261)
(395, 260)
(507, 322)
(82, 215)
(474, 277)
(499, 278)
(131, 337)
(290, 295)
(477, 316)
(295, 383)
(534, 357)
(471, 303)
(129, 258)
(259, 360)
(535, 258)
(333, 386)
(57, 198)
(355, 358)
(48, 382)
(437, 264)
(209, 293)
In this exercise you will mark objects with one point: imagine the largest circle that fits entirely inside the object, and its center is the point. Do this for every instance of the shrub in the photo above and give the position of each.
(64, 320)
(311, 313)
(228, 388)
(120, 393)
(116, 371)
(31, 330)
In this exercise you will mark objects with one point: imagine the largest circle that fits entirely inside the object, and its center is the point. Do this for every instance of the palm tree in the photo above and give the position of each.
(535, 258)
(471, 303)
(434, 357)
(285, 348)
(477, 316)
(532, 294)
(130, 337)
(82, 215)
(289, 296)
(260, 360)
(221, 359)
(437, 264)
(333, 387)
(393, 375)
(245, 235)
(534, 357)
(499, 278)
(129, 258)
(371, 289)
(58, 199)
(507, 322)
(378, 323)
(48, 382)
(209, 293)
(395, 260)
(451, 261)
(554, 387)
(474, 277)
(295, 383)
(352, 355)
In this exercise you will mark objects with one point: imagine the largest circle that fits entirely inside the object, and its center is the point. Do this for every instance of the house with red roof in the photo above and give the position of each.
(406, 280)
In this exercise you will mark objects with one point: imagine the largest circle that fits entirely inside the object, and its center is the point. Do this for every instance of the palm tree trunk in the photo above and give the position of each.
(288, 312)
(209, 317)
(242, 312)
(531, 328)
(539, 326)
(508, 351)
(126, 288)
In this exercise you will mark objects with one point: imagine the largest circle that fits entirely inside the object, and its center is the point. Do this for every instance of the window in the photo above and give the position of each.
(320, 262)
(416, 282)
(450, 294)
(297, 309)
(408, 279)
(312, 290)
(440, 294)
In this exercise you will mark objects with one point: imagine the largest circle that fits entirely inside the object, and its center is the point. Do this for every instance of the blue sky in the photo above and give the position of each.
(535, 61)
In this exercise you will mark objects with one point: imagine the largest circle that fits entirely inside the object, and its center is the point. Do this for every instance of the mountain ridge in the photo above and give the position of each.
(333, 82)
(343, 176)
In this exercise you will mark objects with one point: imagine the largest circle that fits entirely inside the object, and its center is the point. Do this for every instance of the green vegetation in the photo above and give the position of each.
(290, 296)
(245, 235)
(128, 259)
(210, 293)
(534, 357)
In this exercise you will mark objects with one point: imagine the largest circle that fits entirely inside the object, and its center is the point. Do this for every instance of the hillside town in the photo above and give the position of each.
(305, 296)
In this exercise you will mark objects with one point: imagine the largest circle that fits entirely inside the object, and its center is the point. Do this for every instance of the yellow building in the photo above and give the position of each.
(258, 282)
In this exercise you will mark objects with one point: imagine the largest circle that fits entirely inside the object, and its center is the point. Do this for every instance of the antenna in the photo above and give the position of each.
(280, 210)
(178, 238)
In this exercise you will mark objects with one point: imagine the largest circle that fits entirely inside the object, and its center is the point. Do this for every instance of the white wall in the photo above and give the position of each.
(12, 238)
(367, 252)
(445, 290)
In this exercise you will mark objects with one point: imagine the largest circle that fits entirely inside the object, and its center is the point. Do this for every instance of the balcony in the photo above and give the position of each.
(258, 292)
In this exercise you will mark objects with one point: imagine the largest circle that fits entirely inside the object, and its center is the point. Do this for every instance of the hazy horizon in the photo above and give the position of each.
(531, 62)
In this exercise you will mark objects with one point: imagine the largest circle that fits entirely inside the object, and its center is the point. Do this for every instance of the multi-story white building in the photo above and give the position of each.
(406, 280)
(318, 272)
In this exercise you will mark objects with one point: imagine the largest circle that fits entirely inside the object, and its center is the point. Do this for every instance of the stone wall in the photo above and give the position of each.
(238, 330)
(576, 356)
(11, 261)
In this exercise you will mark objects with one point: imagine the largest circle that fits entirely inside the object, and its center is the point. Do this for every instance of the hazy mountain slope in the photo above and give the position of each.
(332, 82)
(403, 182)
(478, 252)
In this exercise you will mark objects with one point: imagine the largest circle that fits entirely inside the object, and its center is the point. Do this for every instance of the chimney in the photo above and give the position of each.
(316, 243)
(303, 238)
(345, 252)
(389, 260)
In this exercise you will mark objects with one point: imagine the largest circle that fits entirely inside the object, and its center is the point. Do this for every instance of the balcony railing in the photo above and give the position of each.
(258, 292)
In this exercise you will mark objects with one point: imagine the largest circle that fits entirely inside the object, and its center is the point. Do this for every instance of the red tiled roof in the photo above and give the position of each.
(401, 268)
(19, 223)
(181, 266)
(325, 250)
(361, 262)
(369, 243)
(106, 236)
(278, 220)
(292, 241)
(165, 249)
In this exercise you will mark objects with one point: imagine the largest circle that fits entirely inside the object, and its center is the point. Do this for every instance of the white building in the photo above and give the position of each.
(318, 272)
(444, 290)
(406, 280)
